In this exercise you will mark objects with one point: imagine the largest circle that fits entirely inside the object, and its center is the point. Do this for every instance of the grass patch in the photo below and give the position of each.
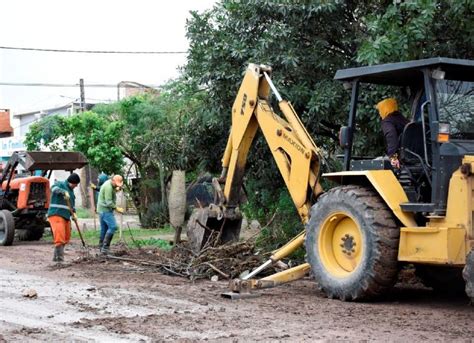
(152, 242)
(142, 237)
(83, 213)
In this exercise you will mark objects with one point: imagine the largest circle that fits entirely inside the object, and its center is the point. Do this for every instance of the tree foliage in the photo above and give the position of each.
(307, 41)
(408, 30)
(90, 133)
(157, 133)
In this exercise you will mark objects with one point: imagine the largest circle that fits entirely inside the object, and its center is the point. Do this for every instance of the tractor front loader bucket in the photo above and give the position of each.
(52, 160)
(212, 226)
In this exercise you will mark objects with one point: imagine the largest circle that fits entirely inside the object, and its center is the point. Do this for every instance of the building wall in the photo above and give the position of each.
(25, 122)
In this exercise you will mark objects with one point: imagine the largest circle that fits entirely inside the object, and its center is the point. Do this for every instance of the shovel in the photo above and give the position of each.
(86, 249)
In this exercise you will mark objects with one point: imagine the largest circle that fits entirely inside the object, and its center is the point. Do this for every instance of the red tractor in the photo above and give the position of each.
(25, 192)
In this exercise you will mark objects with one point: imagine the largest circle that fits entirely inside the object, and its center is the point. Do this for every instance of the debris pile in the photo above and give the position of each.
(226, 261)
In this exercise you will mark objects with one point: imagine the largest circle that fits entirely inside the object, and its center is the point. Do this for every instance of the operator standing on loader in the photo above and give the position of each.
(393, 123)
(59, 214)
(105, 207)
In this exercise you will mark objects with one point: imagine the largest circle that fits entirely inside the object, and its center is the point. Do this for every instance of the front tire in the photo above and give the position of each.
(468, 275)
(352, 244)
(7, 228)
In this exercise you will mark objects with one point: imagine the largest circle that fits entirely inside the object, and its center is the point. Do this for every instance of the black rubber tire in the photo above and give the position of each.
(443, 280)
(32, 234)
(7, 228)
(377, 269)
(468, 275)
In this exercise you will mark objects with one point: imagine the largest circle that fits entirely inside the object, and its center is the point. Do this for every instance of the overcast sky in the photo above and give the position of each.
(137, 25)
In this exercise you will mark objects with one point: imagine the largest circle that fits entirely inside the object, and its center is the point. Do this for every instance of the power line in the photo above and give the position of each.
(90, 85)
(93, 99)
(95, 51)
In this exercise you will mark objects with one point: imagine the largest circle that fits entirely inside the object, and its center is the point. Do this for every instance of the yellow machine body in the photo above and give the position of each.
(445, 240)
(386, 185)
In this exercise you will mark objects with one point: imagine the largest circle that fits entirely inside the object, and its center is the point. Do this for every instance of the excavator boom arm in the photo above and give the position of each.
(295, 153)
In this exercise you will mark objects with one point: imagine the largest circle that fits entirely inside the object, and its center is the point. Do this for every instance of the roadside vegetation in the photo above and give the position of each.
(132, 238)
(185, 124)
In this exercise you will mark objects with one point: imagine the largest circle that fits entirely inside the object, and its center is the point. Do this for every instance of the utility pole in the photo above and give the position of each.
(85, 172)
(83, 97)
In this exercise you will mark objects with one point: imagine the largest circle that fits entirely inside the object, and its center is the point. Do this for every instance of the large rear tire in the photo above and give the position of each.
(468, 275)
(7, 228)
(352, 244)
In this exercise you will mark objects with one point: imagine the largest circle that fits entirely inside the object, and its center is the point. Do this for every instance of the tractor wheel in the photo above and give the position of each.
(442, 279)
(7, 228)
(352, 244)
(32, 234)
(468, 275)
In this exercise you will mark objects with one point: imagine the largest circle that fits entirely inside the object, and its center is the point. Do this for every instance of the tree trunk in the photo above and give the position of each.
(162, 183)
(84, 174)
(177, 202)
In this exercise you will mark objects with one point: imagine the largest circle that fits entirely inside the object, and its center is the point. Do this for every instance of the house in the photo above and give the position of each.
(28, 118)
(127, 89)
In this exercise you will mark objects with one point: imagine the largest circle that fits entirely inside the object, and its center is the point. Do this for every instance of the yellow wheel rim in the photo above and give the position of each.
(340, 244)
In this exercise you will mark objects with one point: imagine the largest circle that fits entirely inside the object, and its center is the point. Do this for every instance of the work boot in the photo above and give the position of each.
(61, 253)
(56, 250)
(106, 245)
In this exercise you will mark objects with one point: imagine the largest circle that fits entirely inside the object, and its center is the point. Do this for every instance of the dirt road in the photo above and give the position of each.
(116, 301)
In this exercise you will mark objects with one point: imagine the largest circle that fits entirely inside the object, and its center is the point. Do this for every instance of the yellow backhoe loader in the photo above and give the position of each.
(359, 233)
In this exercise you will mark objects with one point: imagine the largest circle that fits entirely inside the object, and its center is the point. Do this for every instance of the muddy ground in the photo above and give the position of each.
(120, 301)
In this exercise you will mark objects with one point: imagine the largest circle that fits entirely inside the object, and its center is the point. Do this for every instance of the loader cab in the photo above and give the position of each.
(440, 132)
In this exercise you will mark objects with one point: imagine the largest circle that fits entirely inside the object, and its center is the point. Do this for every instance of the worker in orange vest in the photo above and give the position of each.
(59, 214)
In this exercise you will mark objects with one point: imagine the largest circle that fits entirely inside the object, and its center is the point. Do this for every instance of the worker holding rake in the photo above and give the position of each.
(106, 207)
(59, 214)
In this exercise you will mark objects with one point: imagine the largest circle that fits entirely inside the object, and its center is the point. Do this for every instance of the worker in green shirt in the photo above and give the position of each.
(106, 207)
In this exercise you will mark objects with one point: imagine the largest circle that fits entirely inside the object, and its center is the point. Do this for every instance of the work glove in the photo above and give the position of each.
(118, 189)
(395, 164)
(119, 210)
(93, 186)
(74, 217)
(66, 196)
(394, 161)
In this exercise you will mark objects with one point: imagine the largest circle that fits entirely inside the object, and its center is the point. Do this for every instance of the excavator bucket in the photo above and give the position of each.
(209, 227)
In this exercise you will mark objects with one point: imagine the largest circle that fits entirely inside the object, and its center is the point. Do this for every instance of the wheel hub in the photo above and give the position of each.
(340, 244)
(348, 244)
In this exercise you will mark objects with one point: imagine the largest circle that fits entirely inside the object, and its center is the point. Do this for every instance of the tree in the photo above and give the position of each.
(307, 41)
(90, 133)
(157, 133)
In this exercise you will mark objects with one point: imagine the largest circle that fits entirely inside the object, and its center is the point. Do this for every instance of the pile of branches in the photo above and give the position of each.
(227, 261)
